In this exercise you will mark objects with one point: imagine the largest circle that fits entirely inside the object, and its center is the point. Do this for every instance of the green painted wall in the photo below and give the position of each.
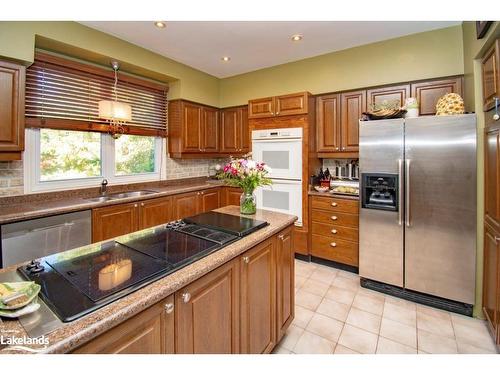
(418, 56)
(18, 40)
(473, 49)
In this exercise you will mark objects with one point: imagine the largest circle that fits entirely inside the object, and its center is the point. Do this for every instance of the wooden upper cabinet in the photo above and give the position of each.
(259, 108)
(12, 87)
(235, 134)
(292, 104)
(210, 199)
(207, 313)
(155, 212)
(379, 95)
(285, 280)
(490, 67)
(492, 176)
(149, 332)
(283, 105)
(245, 130)
(353, 104)
(192, 127)
(229, 130)
(209, 130)
(114, 221)
(328, 123)
(429, 92)
(258, 299)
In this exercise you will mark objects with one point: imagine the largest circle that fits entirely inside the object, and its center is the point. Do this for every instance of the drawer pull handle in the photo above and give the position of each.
(281, 237)
(334, 218)
(334, 204)
(334, 231)
(333, 244)
(186, 296)
(169, 308)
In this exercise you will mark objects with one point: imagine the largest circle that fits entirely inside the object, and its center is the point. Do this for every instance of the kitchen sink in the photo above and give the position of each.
(128, 194)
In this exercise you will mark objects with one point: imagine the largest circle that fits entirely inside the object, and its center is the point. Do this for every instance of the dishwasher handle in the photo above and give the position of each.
(68, 224)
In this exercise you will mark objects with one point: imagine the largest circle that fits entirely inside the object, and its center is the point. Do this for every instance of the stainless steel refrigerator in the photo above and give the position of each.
(417, 228)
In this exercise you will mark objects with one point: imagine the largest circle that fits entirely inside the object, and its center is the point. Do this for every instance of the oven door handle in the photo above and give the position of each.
(400, 192)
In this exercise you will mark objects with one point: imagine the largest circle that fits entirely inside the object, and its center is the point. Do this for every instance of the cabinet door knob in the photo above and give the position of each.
(278, 112)
(336, 148)
(333, 244)
(169, 307)
(202, 192)
(334, 231)
(135, 205)
(334, 204)
(246, 260)
(186, 296)
(142, 204)
(281, 237)
(198, 193)
(334, 218)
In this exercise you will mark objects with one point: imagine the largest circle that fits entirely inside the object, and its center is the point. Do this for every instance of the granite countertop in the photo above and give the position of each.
(33, 206)
(74, 334)
(330, 195)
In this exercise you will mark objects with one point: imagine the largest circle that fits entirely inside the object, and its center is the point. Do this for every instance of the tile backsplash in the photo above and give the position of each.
(11, 178)
(332, 163)
(185, 168)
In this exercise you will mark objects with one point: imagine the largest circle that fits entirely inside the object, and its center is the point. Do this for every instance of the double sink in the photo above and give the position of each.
(128, 194)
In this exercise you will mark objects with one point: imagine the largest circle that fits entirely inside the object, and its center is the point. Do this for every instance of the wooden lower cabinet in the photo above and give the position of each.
(258, 299)
(185, 205)
(491, 279)
(232, 196)
(155, 212)
(285, 282)
(334, 224)
(149, 332)
(209, 200)
(113, 221)
(207, 313)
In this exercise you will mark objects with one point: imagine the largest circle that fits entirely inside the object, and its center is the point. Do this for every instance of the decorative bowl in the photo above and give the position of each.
(321, 189)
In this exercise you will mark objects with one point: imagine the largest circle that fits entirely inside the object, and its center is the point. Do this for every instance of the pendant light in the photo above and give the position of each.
(117, 113)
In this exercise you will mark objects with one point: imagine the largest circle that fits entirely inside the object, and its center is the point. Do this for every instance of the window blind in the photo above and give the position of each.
(64, 96)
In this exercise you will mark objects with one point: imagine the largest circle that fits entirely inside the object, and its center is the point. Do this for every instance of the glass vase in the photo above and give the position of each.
(248, 203)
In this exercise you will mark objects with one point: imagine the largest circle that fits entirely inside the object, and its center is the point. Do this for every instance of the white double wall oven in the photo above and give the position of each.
(281, 149)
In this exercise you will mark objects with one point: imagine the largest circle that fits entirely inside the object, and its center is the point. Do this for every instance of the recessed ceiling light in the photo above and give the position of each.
(297, 37)
(160, 24)
(226, 58)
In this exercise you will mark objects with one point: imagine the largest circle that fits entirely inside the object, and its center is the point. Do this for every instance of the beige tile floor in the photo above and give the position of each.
(334, 314)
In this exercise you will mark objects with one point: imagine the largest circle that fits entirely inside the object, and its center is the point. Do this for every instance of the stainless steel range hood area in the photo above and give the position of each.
(423, 239)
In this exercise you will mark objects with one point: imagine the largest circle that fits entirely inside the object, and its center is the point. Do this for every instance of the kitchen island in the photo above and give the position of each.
(239, 299)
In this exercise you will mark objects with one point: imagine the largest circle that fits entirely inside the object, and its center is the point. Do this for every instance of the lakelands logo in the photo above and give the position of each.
(19, 343)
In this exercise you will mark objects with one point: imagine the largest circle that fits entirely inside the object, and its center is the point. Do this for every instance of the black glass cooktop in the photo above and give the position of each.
(237, 225)
(100, 274)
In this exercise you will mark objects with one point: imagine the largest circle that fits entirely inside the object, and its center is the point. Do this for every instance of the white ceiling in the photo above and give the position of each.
(255, 45)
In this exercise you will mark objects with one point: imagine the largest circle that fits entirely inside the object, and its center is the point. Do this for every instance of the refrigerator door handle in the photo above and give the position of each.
(407, 189)
(400, 193)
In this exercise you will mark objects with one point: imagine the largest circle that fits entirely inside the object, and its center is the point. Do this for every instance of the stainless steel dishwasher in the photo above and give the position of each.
(32, 239)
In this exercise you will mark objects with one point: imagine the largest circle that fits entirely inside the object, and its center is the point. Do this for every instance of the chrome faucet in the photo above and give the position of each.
(104, 186)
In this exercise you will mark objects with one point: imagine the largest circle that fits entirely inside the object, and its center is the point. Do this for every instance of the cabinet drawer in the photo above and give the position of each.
(335, 204)
(337, 250)
(337, 218)
(334, 231)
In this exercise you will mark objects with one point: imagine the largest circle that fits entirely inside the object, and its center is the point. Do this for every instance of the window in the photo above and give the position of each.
(66, 155)
(61, 159)
(134, 154)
